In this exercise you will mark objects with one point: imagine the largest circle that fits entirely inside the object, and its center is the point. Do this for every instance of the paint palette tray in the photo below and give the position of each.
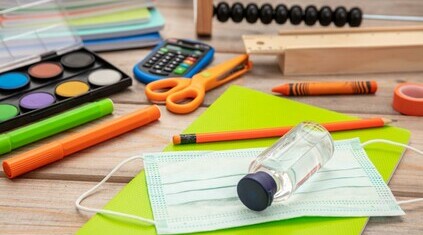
(43, 67)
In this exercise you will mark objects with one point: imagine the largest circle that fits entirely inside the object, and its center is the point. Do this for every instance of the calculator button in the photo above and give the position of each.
(160, 53)
(175, 62)
(157, 67)
(160, 63)
(180, 57)
(168, 57)
(179, 70)
(164, 61)
(194, 56)
(198, 52)
(158, 72)
(189, 62)
(150, 62)
(171, 54)
(184, 65)
(172, 66)
(168, 69)
(192, 59)
(164, 50)
(147, 65)
(173, 48)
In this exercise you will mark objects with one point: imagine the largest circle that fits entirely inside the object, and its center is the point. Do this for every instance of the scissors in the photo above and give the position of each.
(184, 95)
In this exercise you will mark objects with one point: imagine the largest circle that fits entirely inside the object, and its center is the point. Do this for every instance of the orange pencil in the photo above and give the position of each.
(273, 132)
(327, 88)
(59, 149)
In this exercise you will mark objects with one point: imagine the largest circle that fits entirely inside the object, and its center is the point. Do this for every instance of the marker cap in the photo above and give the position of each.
(105, 106)
(5, 144)
(33, 159)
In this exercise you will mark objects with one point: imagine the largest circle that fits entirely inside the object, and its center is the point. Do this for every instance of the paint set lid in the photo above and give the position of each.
(33, 30)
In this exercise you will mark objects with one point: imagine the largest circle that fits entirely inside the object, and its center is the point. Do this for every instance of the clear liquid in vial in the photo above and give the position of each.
(282, 168)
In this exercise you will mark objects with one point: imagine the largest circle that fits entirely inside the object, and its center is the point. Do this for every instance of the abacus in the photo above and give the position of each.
(281, 14)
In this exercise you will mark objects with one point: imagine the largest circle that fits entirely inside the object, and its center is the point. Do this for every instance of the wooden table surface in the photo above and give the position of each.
(42, 202)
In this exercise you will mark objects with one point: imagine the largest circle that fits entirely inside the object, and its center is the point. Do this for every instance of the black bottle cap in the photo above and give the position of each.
(256, 190)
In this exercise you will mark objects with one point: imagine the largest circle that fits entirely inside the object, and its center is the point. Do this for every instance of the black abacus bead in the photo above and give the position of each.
(325, 16)
(355, 16)
(310, 15)
(340, 16)
(281, 14)
(237, 12)
(223, 11)
(266, 13)
(252, 13)
(296, 15)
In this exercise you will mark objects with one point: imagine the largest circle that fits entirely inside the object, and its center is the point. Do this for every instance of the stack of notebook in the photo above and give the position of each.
(115, 24)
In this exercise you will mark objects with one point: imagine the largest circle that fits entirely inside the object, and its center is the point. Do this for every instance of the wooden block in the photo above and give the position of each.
(203, 17)
(343, 51)
(351, 60)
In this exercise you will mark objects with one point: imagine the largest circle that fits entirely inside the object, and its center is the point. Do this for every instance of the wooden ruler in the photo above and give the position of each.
(337, 51)
(339, 38)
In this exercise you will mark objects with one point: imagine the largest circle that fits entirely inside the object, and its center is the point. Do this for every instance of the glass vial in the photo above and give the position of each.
(282, 168)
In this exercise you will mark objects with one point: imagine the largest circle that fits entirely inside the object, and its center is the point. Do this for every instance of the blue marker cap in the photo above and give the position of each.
(256, 190)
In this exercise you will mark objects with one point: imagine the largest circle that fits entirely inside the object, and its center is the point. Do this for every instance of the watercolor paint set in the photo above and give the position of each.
(44, 68)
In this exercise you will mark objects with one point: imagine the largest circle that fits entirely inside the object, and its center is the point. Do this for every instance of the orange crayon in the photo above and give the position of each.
(59, 149)
(327, 88)
(273, 132)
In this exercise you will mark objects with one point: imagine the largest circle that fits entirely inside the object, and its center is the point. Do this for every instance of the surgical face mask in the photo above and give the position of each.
(196, 191)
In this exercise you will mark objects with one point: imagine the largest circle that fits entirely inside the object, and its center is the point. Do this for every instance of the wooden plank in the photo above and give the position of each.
(94, 163)
(47, 207)
(203, 17)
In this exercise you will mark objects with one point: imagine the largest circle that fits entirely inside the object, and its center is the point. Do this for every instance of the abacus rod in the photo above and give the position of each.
(392, 17)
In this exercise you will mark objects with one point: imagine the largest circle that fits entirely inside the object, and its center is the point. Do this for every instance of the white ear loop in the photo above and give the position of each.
(109, 212)
(402, 145)
(149, 221)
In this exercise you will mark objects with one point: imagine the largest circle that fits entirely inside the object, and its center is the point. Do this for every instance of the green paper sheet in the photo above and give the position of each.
(138, 15)
(241, 108)
(155, 23)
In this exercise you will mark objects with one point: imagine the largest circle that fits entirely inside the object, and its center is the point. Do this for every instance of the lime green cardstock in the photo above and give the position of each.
(239, 109)
(137, 14)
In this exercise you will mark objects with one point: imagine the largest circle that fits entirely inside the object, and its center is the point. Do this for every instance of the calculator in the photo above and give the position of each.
(174, 58)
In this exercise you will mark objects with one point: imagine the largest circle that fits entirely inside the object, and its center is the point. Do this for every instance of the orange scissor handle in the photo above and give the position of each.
(186, 100)
(159, 90)
(204, 81)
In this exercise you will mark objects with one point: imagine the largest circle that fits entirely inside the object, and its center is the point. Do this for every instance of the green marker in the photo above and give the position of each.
(54, 125)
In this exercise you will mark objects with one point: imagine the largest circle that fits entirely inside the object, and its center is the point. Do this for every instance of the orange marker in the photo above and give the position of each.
(273, 132)
(59, 149)
(327, 88)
